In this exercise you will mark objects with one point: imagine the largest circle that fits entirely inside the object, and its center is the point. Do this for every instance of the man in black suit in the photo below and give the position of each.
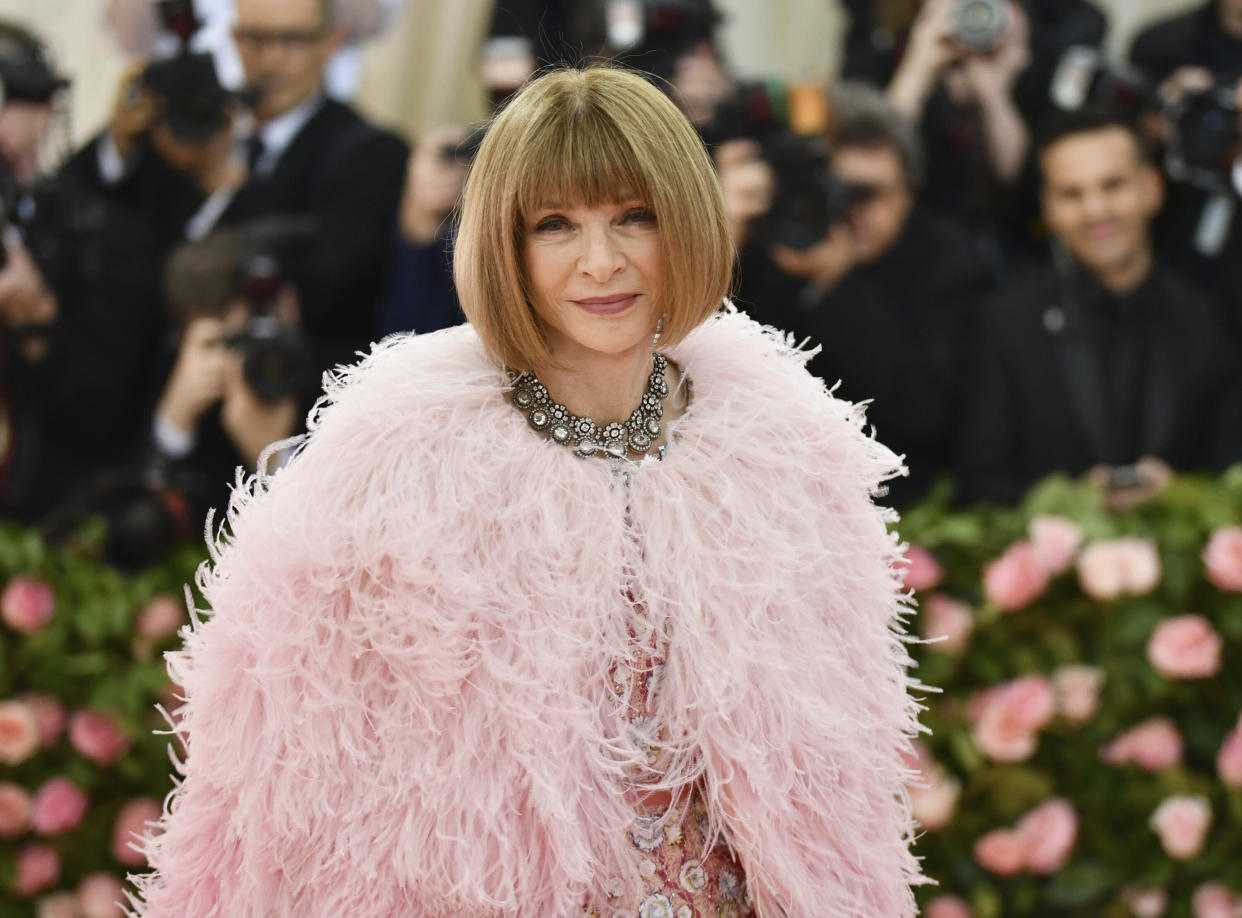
(312, 156)
(1101, 357)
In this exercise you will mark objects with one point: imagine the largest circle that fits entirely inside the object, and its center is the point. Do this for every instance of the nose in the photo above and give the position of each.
(600, 257)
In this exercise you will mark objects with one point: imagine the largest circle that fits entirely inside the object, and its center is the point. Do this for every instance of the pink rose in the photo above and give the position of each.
(1001, 851)
(1055, 541)
(160, 618)
(1185, 647)
(1182, 822)
(1108, 569)
(15, 810)
(947, 622)
(1229, 759)
(100, 896)
(1145, 903)
(1215, 900)
(38, 867)
(49, 715)
(1048, 834)
(1077, 692)
(1015, 579)
(948, 907)
(921, 571)
(58, 807)
(95, 736)
(27, 604)
(933, 795)
(1009, 717)
(132, 824)
(1222, 559)
(1155, 744)
(58, 905)
(19, 732)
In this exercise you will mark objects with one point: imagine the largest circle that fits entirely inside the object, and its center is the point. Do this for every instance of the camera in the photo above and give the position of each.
(809, 199)
(1202, 136)
(193, 105)
(206, 277)
(979, 25)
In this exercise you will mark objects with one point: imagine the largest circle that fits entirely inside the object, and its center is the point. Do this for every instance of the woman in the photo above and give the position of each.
(542, 621)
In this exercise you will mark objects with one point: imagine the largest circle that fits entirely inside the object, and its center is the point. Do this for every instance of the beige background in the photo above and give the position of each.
(422, 72)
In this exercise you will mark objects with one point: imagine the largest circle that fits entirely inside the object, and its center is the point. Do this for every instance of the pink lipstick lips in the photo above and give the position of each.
(607, 305)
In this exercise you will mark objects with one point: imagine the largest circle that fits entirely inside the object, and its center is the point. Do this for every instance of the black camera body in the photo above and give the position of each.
(275, 355)
(193, 105)
(1204, 134)
(809, 199)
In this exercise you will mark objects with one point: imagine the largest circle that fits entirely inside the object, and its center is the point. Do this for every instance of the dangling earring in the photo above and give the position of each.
(659, 329)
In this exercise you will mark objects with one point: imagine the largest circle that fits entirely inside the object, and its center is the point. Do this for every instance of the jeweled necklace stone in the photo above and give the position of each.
(584, 436)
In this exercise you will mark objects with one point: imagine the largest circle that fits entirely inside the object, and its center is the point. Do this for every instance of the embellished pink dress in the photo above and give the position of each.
(681, 878)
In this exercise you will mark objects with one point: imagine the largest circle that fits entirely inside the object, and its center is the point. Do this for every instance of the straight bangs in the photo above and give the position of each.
(578, 157)
(587, 138)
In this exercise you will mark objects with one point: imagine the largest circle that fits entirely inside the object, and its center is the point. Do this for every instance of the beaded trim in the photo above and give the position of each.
(586, 437)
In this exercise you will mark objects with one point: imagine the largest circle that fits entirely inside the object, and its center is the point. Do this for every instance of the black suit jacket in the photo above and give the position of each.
(347, 175)
(1038, 402)
(1189, 39)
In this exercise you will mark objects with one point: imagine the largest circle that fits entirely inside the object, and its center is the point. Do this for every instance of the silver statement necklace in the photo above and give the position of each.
(587, 437)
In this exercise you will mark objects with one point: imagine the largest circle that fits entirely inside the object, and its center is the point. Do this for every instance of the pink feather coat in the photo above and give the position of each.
(399, 705)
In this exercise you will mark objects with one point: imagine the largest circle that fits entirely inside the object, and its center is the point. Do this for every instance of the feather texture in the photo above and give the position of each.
(399, 704)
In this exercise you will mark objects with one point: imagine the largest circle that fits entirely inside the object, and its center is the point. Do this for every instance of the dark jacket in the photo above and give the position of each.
(1190, 39)
(895, 332)
(347, 175)
(1043, 397)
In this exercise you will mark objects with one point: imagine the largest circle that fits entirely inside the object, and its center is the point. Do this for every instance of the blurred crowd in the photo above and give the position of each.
(1024, 252)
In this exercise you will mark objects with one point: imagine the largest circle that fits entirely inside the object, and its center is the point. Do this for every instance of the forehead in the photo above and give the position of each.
(280, 14)
(1091, 156)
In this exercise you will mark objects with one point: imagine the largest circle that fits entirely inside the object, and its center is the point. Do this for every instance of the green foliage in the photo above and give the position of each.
(1115, 848)
(88, 656)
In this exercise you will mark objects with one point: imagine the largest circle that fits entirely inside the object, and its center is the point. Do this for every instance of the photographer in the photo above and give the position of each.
(1100, 358)
(214, 413)
(974, 75)
(312, 156)
(1195, 59)
(79, 317)
(886, 294)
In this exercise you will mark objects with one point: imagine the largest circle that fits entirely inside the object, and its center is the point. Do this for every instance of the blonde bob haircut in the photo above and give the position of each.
(587, 137)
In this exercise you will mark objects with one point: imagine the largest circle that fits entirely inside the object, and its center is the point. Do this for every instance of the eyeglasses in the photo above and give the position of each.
(286, 39)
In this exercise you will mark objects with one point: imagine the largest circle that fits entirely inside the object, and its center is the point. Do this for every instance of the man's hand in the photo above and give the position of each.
(433, 184)
(134, 110)
(1151, 476)
(747, 184)
(25, 298)
(825, 263)
(251, 423)
(930, 51)
(993, 74)
(198, 379)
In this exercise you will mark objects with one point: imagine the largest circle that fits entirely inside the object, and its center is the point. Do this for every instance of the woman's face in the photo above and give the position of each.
(595, 275)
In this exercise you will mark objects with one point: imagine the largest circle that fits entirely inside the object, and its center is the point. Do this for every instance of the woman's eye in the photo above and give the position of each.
(640, 215)
(550, 224)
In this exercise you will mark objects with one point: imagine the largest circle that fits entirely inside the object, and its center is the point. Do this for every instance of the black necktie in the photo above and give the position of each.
(254, 153)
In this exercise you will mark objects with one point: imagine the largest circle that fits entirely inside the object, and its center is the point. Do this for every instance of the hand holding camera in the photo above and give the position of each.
(134, 111)
(198, 378)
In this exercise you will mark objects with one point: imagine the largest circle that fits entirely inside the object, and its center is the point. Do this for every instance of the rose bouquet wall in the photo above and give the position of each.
(81, 768)
(1086, 750)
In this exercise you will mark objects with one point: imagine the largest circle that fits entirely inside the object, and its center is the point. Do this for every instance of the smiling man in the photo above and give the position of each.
(1102, 356)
